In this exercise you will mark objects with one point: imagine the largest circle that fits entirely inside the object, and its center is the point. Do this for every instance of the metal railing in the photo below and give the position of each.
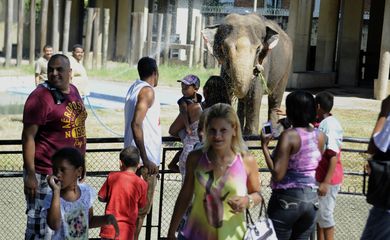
(102, 157)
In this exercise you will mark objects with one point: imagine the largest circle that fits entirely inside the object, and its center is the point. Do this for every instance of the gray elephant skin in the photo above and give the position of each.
(243, 45)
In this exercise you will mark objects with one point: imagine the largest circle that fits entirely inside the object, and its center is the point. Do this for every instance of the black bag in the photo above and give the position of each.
(378, 193)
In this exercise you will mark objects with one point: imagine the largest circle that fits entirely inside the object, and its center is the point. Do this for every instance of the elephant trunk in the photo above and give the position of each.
(242, 60)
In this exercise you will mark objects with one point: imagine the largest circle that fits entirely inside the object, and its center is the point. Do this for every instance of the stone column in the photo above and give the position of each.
(349, 42)
(327, 34)
(299, 28)
(383, 85)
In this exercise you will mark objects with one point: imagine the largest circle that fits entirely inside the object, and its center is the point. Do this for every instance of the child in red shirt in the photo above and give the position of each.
(124, 193)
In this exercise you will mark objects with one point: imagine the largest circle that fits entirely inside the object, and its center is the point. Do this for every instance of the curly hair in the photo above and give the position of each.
(215, 91)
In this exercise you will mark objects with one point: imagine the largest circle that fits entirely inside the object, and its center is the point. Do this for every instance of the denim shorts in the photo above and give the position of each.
(293, 212)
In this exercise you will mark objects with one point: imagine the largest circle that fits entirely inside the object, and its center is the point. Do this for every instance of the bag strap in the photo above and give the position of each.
(262, 206)
(249, 217)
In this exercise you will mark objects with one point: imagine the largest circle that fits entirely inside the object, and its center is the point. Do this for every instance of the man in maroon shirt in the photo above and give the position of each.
(54, 117)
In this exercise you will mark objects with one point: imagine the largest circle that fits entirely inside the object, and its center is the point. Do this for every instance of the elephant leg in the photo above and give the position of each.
(252, 110)
(241, 112)
(274, 102)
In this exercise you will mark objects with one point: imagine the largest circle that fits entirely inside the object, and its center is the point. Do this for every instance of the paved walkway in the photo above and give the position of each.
(104, 94)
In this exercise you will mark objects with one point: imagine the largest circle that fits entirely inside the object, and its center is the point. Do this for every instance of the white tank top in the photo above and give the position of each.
(150, 126)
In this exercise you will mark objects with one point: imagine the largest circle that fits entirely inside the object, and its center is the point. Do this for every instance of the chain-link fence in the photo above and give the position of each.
(103, 156)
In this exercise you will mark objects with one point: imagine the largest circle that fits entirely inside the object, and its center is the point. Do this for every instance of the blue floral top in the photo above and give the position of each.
(74, 215)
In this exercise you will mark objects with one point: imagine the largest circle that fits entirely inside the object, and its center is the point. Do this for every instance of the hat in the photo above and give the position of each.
(191, 80)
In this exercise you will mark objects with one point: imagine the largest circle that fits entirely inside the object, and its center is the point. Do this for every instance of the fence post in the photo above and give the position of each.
(32, 32)
(8, 33)
(88, 38)
(55, 28)
(65, 40)
(44, 7)
(159, 34)
(168, 24)
(19, 54)
(150, 34)
(105, 36)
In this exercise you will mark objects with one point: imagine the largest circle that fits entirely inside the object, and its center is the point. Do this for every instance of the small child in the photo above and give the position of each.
(329, 173)
(124, 193)
(186, 124)
(68, 208)
(189, 87)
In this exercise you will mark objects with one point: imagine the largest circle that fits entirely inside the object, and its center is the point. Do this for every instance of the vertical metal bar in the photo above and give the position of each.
(161, 195)
(149, 223)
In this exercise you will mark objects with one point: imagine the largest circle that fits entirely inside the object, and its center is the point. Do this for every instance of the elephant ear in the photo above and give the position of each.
(271, 38)
(208, 35)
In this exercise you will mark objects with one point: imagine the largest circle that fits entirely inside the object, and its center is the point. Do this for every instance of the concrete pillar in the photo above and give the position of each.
(299, 28)
(123, 29)
(374, 37)
(385, 45)
(327, 34)
(350, 37)
(385, 49)
(182, 20)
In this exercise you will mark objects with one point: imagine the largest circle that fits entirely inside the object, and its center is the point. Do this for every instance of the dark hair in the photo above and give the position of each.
(77, 46)
(46, 46)
(300, 108)
(64, 58)
(146, 67)
(325, 100)
(130, 156)
(73, 156)
(215, 91)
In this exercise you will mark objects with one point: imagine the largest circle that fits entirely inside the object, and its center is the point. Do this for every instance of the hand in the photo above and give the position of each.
(54, 183)
(189, 131)
(238, 203)
(265, 139)
(112, 220)
(30, 185)
(367, 168)
(171, 236)
(323, 189)
(151, 167)
(280, 112)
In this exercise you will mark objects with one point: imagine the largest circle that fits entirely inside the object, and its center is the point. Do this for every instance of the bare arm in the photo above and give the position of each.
(186, 193)
(385, 110)
(28, 145)
(37, 78)
(240, 203)
(324, 185)
(278, 165)
(54, 213)
(145, 101)
(183, 108)
(176, 126)
(98, 221)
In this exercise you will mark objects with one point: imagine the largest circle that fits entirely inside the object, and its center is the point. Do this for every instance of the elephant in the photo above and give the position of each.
(246, 45)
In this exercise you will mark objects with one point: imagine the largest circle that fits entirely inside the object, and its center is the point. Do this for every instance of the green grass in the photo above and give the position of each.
(121, 72)
(168, 74)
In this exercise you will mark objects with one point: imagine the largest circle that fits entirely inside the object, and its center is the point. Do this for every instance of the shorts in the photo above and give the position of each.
(327, 203)
(36, 221)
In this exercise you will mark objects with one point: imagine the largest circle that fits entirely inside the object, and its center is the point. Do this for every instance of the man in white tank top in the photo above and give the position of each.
(142, 128)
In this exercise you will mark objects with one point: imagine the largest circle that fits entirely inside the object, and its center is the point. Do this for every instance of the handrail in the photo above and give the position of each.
(170, 139)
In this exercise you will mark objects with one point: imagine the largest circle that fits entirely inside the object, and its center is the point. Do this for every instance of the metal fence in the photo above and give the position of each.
(103, 156)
